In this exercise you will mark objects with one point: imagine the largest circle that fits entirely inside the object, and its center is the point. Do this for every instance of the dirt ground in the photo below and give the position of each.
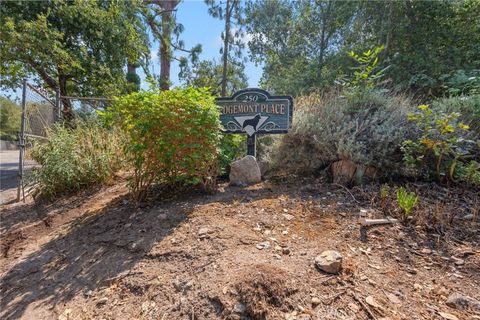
(241, 253)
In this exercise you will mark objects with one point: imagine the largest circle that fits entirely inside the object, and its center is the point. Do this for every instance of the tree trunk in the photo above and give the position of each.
(68, 115)
(131, 68)
(225, 49)
(165, 43)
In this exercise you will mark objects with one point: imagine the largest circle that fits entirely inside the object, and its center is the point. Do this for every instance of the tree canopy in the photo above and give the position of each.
(304, 44)
(78, 47)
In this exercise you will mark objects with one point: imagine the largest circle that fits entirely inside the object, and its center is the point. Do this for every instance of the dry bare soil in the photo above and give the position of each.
(241, 253)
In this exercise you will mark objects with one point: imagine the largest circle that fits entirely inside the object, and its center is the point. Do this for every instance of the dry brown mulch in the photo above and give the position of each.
(205, 256)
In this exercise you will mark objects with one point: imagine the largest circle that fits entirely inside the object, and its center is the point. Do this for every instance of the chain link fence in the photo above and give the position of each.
(41, 109)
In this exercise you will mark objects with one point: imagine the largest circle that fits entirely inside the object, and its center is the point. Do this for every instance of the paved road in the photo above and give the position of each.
(9, 174)
(8, 169)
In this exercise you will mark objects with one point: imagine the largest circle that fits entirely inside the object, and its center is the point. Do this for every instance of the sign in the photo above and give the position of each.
(255, 111)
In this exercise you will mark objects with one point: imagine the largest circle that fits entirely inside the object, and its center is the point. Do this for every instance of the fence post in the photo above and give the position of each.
(56, 108)
(22, 141)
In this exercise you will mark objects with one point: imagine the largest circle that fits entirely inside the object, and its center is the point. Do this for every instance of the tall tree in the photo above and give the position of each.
(159, 15)
(303, 45)
(297, 41)
(232, 35)
(209, 73)
(78, 47)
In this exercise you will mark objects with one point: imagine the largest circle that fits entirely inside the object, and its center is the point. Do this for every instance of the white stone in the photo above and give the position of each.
(329, 261)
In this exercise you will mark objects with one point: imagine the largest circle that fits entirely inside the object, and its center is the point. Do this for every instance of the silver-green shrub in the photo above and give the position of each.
(73, 159)
(367, 129)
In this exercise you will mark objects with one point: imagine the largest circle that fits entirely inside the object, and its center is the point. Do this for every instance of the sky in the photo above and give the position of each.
(202, 28)
(199, 27)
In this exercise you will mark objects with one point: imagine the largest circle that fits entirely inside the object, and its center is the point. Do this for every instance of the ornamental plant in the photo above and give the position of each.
(172, 137)
(406, 200)
(442, 144)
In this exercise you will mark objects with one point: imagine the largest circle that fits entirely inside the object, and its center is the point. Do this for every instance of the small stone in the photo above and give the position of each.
(102, 300)
(315, 301)
(203, 232)
(459, 301)
(286, 250)
(458, 261)
(263, 245)
(284, 232)
(88, 293)
(329, 261)
(426, 251)
(371, 301)
(288, 217)
(239, 308)
(448, 316)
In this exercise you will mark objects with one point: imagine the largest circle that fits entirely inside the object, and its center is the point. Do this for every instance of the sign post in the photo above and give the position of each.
(253, 112)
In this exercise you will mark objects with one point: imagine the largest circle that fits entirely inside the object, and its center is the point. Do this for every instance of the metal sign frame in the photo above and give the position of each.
(252, 104)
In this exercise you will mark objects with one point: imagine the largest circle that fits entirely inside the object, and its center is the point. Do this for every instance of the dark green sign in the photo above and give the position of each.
(254, 111)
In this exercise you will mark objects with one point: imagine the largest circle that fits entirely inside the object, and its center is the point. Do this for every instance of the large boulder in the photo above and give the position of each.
(245, 172)
(329, 261)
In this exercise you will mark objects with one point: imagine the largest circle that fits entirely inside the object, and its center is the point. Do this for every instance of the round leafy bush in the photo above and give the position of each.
(172, 137)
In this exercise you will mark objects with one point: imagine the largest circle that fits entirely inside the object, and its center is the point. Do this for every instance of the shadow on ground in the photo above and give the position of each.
(95, 250)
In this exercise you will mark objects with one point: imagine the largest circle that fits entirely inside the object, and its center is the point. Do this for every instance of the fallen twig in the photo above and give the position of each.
(346, 189)
(365, 307)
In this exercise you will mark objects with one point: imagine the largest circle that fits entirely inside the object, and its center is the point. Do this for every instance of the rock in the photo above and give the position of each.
(426, 251)
(239, 308)
(263, 165)
(371, 301)
(204, 232)
(263, 245)
(459, 301)
(286, 250)
(343, 172)
(458, 261)
(288, 217)
(315, 301)
(448, 316)
(182, 285)
(393, 298)
(329, 261)
(245, 172)
(102, 300)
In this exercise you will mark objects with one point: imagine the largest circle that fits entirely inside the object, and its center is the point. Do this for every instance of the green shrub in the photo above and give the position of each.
(75, 158)
(232, 146)
(442, 145)
(10, 115)
(173, 137)
(366, 129)
(467, 106)
(406, 200)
